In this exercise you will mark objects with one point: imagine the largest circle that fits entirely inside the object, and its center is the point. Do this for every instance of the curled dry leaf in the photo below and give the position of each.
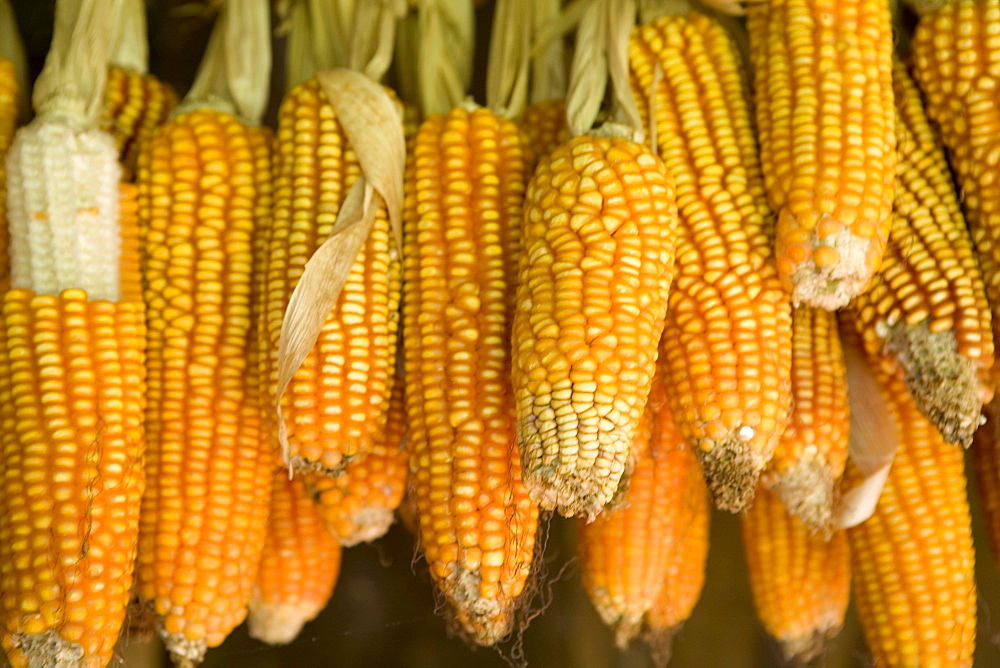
(873, 439)
(373, 126)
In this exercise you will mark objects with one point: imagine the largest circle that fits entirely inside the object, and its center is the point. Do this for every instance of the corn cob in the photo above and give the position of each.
(335, 406)
(71, 399)
(596, 265)
(8, 120)
(801, 581)
(812, 451)
(359, 505)
(626, 555)
(912, 560)
(955, 57)
(129, 264)
(464, 190)
(545, 125)
(823, 82)
(927, 306)
(728, 327)
(134, 104)
(986, 462)
(204, 179)
(298, 567)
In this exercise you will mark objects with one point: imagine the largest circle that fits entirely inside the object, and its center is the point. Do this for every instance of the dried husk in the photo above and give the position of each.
(130, 48)
(12, 49)
(548, 59)
(510, 55)
(435, 50)
(373, 126)
(873, 438)
(235, 71)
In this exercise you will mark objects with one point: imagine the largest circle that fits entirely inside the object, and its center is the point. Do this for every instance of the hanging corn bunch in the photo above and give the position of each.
(72, 381)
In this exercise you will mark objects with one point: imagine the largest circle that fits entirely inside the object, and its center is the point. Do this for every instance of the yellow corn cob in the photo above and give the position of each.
(912, 561)
(955, 57)
(823, 82)
(129, 269)
(134, 104)
(927, 305)
(986, 461)
(298, 568)
(204, 180)
(801, 581)
(812, 451)
(596, 264)
(464, 191)
(545, 125)
(335, 406)
(728, 327)
(627, 555)
(71, 400)
(8, 120)
(359, 505)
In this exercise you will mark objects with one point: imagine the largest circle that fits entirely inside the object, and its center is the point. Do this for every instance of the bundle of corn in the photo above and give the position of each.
(912, 560)
(927, 306)
(728, 324)
(71, 369)
(823, 85)
(359, 505)
(596, 262)
(298, 567)
(628, 554)
(812, 452)
(800, 580)
(204, 185)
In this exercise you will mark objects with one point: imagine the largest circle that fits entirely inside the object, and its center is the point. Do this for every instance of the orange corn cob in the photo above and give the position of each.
(596, 264)
(627, 555)
(71, 400)
(8, 120)
(801, 581)
(955, 58)
(545, 125)
(728, 327)
(204, 181)
(927, 306)
(986, 462)
(812, 451)
(912, 561)
(359, 505)
(464, 191)
(130, 271)
(823, 82)
(335, 406)
(298, 567)
(134, 104)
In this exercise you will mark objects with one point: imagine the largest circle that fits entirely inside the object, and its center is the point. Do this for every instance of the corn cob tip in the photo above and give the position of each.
(808, 491)
(845, 270)
(802, 650)
(302, 465)
(47, 649)
(626, 628)
(370, 524)
(140, 620)
(278, 623)
(184, 652)
(732, 468)
(661, 644)
(944, 384)
(485, 621)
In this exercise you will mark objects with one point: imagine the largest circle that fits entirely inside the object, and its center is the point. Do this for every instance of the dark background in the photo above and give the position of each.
(383, 612)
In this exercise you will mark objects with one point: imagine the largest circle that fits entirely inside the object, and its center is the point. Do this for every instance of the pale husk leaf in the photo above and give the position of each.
(442, 48)
(77, 63)
(588, 76)
(11, 46)
(236, 67)
(873, 439)
(548, 59)
(621, 20)
(130, 49)
(373, 126)
(510, 55)
(311, 45)
(374, 35)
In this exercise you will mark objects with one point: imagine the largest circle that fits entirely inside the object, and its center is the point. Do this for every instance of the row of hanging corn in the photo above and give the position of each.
(536, 312)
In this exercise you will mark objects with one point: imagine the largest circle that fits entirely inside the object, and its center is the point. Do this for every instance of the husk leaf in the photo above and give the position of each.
(588, 76)
(316, 40)
(436, 52)
(77, 63)
(12, 48)
(873, 439)
(510, 55)
(236, 67)
(373, 126)
(548, 59)
(130, 49)
(374, 35)
(621, 20)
